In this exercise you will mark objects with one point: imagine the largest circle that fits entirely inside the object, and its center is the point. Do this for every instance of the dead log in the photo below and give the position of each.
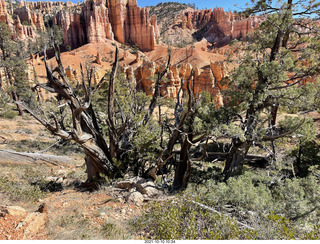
(253, 160)
(10, 156)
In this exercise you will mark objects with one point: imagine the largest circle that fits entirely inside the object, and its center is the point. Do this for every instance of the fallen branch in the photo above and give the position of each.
(57, 142)
(158, 199)
(221, 156)
(217, 212)
(9, 156)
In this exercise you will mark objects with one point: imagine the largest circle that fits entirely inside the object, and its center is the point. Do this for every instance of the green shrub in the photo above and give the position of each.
(314, 234)
(246, 192)
(305, 156)
(294, 198)
(7, 109)
(183, 219)
(300, 198)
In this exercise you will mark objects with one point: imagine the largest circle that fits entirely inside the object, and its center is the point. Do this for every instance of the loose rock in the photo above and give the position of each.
(12, 210)
(149, 188)
(135, 197)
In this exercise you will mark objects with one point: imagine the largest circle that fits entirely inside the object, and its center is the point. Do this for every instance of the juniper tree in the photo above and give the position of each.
(278, 58)
(13, 66)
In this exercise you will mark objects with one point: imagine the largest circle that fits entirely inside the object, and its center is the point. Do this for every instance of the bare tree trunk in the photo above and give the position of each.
(274, 113)
(111, 116)
(33, 158)
(235, 159)
(15, 98)
(14, 95)
(85, 130)
(184, 135)
(183, 167)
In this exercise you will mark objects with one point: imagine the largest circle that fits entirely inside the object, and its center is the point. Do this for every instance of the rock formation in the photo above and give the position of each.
(209, 79)
(34, 19)
(219, 26)
(46, 6)
(138, 28)
(73, 33)
(97, 24)
(19, 30)
(91, 25)
(121, 20)
(93, 21)
(204, 81)
(22, 31)
(3, 12)
(144, 76)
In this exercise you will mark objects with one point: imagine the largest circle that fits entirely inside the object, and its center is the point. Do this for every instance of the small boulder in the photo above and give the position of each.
(12, 210)
(36, 223)
(149, 188)
(135, 197)
(128, 183)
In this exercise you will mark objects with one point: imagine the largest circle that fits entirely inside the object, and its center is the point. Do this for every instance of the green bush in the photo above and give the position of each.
(305, 157)
(279, 227)
(277, 208)
(7, 108)
(183, 219)
(246, 192)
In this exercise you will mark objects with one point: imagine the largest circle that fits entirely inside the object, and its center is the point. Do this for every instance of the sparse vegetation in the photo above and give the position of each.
(22, 188)
(146, 167)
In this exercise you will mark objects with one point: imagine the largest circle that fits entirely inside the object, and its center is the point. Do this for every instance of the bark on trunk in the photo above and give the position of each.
(97, 162)
(235, 159)
(183, 167)
(15, 98)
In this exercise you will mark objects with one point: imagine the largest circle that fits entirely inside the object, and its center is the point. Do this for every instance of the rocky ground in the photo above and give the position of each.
(67, 209)
(45, 201)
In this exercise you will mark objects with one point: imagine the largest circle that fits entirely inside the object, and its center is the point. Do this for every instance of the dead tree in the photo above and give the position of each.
(99, 156)
(184, 135)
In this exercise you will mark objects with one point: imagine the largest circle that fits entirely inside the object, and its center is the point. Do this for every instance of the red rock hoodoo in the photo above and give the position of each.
(219, 26)
(121, 20)
(207, 79)
(93, 21)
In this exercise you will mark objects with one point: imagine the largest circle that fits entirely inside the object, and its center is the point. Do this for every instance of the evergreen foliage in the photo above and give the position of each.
(12, 63)
(279, 58)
